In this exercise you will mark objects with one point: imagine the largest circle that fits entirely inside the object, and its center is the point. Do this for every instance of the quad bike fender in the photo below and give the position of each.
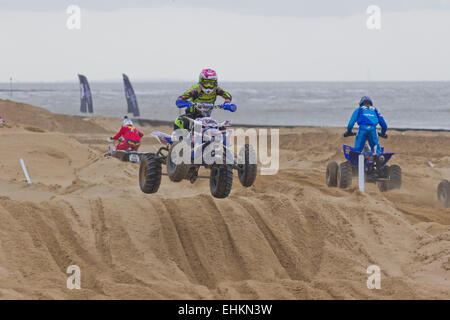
(162, 137)
(347, 149)
(370, 158)
(352, 156)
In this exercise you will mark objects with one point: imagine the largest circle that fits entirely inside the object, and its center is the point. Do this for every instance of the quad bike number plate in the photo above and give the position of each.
(134, 158)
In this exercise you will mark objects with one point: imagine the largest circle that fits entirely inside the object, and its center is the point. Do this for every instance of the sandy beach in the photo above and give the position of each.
(287, 237)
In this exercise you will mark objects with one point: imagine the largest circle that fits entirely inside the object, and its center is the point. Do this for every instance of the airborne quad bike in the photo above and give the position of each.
(375, 168)
(443, 193)
(221, 173)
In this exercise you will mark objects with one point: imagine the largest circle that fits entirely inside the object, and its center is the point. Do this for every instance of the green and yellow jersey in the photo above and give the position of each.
(195, 94)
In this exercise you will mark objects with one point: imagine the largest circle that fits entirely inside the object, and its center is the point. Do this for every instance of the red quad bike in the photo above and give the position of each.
(128, 155)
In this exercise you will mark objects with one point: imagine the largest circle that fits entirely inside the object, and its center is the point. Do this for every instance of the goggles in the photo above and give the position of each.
(210, 84)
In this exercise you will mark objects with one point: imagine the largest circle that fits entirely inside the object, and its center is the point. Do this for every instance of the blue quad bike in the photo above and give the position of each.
(221, 174)
(375, 168)
(443, 193)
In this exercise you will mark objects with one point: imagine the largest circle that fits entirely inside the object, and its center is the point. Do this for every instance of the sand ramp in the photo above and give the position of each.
(289, 236)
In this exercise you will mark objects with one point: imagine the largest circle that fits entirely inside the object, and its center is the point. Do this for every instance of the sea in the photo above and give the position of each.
(415, 105)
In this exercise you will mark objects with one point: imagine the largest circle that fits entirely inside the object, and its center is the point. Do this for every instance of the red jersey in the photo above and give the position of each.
(131, 136)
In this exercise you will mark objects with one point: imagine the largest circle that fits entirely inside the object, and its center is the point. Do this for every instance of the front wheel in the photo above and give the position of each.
(248, 166)
(150, 172)
(221, 181)
(176, 172)
(443, 193)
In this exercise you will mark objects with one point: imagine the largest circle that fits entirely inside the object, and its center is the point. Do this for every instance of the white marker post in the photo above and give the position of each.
(361, 172)
(24, 168)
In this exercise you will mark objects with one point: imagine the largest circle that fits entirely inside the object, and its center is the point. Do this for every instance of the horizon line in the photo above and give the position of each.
(223, 81)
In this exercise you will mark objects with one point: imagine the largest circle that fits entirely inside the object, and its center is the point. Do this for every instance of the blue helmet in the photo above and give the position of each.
(365, 101)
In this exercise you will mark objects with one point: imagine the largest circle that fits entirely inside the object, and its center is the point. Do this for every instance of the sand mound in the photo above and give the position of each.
(289, 236)
(38, 119)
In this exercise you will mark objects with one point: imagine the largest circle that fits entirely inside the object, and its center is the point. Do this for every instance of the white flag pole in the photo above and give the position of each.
(24, 168)
(361, 172)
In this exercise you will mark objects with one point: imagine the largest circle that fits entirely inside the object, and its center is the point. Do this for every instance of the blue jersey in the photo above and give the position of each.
(367, 116)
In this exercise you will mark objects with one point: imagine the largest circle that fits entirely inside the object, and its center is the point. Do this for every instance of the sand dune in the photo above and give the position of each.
(287, 237)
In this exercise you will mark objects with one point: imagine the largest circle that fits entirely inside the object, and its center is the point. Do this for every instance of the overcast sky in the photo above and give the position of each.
(243, 40)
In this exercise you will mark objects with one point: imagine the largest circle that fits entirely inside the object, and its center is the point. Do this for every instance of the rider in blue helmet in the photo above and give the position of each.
(367, 117)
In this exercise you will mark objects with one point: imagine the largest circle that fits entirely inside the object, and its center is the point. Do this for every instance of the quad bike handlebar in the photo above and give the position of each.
(112, 140)
(223, 124)
(205, 107)
(350, 134)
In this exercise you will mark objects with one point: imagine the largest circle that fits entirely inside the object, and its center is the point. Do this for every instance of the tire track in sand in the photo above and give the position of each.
(201, 273)
(235, 262)
(102, 236)
(284, 257)
(179, 243)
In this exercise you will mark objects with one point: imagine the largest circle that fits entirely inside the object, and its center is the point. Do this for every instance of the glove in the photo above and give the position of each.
(230, 107)
(348, 134)
(110, 139)
(383, 135)
(183, 104)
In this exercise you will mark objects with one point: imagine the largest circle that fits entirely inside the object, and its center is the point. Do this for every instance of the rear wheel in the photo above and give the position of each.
(345, 174)
(150, 172)
(247, 164)
(176, 172)
(383, 185)
(221, 181)
(355, 172)
(332, 171)
(443, 193)
(395, 177)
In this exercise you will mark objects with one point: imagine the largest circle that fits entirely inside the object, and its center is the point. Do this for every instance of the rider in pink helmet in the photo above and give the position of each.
(207, 91)
(208, 80)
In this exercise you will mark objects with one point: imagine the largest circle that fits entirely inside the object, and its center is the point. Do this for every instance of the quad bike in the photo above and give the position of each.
(129, 155)
(443, 193)
(221, 174)
(375, 168)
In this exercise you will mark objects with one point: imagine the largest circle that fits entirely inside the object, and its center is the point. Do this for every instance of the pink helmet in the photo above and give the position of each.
(208, 80)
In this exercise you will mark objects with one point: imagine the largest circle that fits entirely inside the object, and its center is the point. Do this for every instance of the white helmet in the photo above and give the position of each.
(127, 122)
